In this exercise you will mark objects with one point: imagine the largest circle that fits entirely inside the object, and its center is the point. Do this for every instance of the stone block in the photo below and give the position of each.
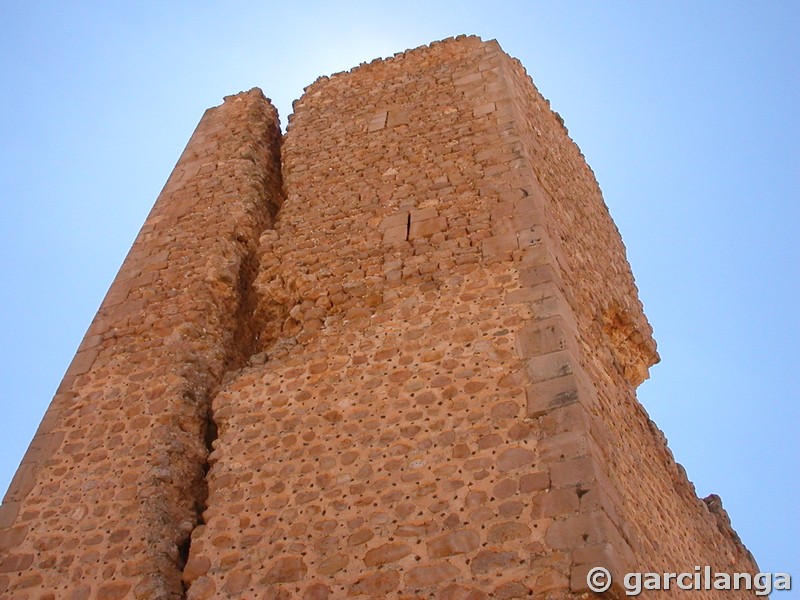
(544, 396)
(423, 214)
(534, 482)
(15, 562)
(333, 564)
(286, 569)
(543, 337)
(113, 591)
(573, 472)
(484, 109)
(574, 531)
(396, 220)
(498, 244)
(599, 555)
(563, 446)
(515, 458)
(489, 561)
(550, 366)
(456, 542)
(22, 483)
(375, 584)
(43, 446)
(395, 234)
(386, 553)
(9, 538)
(555, 503)
(427, 227)
(533, 276)
(426, 576)
(398, 117)
(8, 514)
(500, 533)
(377, 122)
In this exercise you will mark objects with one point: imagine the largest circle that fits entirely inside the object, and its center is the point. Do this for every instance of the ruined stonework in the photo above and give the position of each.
(391, 353)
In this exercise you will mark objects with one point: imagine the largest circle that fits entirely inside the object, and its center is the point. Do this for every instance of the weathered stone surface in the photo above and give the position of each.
(386, 553)
(434, 574)
(317, 591)
(285, 569)
(511, 459)
(333, 564)
(236, 582)
(113, 591)
(410, 325)
(456, 542)
(492, 560)
(195, 567)
(458, 592)
(375, 584)
(533, 482)
(509, 530)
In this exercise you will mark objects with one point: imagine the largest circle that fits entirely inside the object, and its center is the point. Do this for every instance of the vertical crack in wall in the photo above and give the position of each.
(242, 345)
(247, 323)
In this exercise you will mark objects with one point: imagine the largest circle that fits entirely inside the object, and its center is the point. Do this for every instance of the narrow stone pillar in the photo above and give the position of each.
(110, 488)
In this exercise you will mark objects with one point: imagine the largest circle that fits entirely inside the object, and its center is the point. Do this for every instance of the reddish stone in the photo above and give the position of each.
(511, 589)
(510, 530)
(381, 315)
(113, 591)
(386, 553)
(457, 542)
(489, 441)
(422, 577)
(573, 472)
(515, 458)
(317, 591)
(459, 592)
(360, 537)
(375, 584)
(202, 588)
(15, 562)
(505, 410)
(505, 489)
(286, 569)
(12, 537)
(333, 564)
(491, 560)
(555, 502)
(533, 482)
(196, 566)
(236, 582)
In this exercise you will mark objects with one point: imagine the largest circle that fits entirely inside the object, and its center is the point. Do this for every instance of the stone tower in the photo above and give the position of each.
(392, 353)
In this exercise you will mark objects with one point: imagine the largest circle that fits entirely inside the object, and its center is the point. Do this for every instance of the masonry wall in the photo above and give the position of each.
(105, 499)
(417, 377)
(644, 493)
(445, 392)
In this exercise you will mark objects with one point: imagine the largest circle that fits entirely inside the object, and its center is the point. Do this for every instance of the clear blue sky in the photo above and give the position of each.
(686, 111)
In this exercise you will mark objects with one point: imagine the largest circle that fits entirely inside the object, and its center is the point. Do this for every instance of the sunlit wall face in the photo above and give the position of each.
(686, 114)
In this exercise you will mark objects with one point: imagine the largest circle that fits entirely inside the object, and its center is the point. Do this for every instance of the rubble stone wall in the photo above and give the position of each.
(111, 487)
(409, 335)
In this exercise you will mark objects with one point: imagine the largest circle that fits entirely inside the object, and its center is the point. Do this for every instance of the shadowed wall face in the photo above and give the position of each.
(418, 379)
